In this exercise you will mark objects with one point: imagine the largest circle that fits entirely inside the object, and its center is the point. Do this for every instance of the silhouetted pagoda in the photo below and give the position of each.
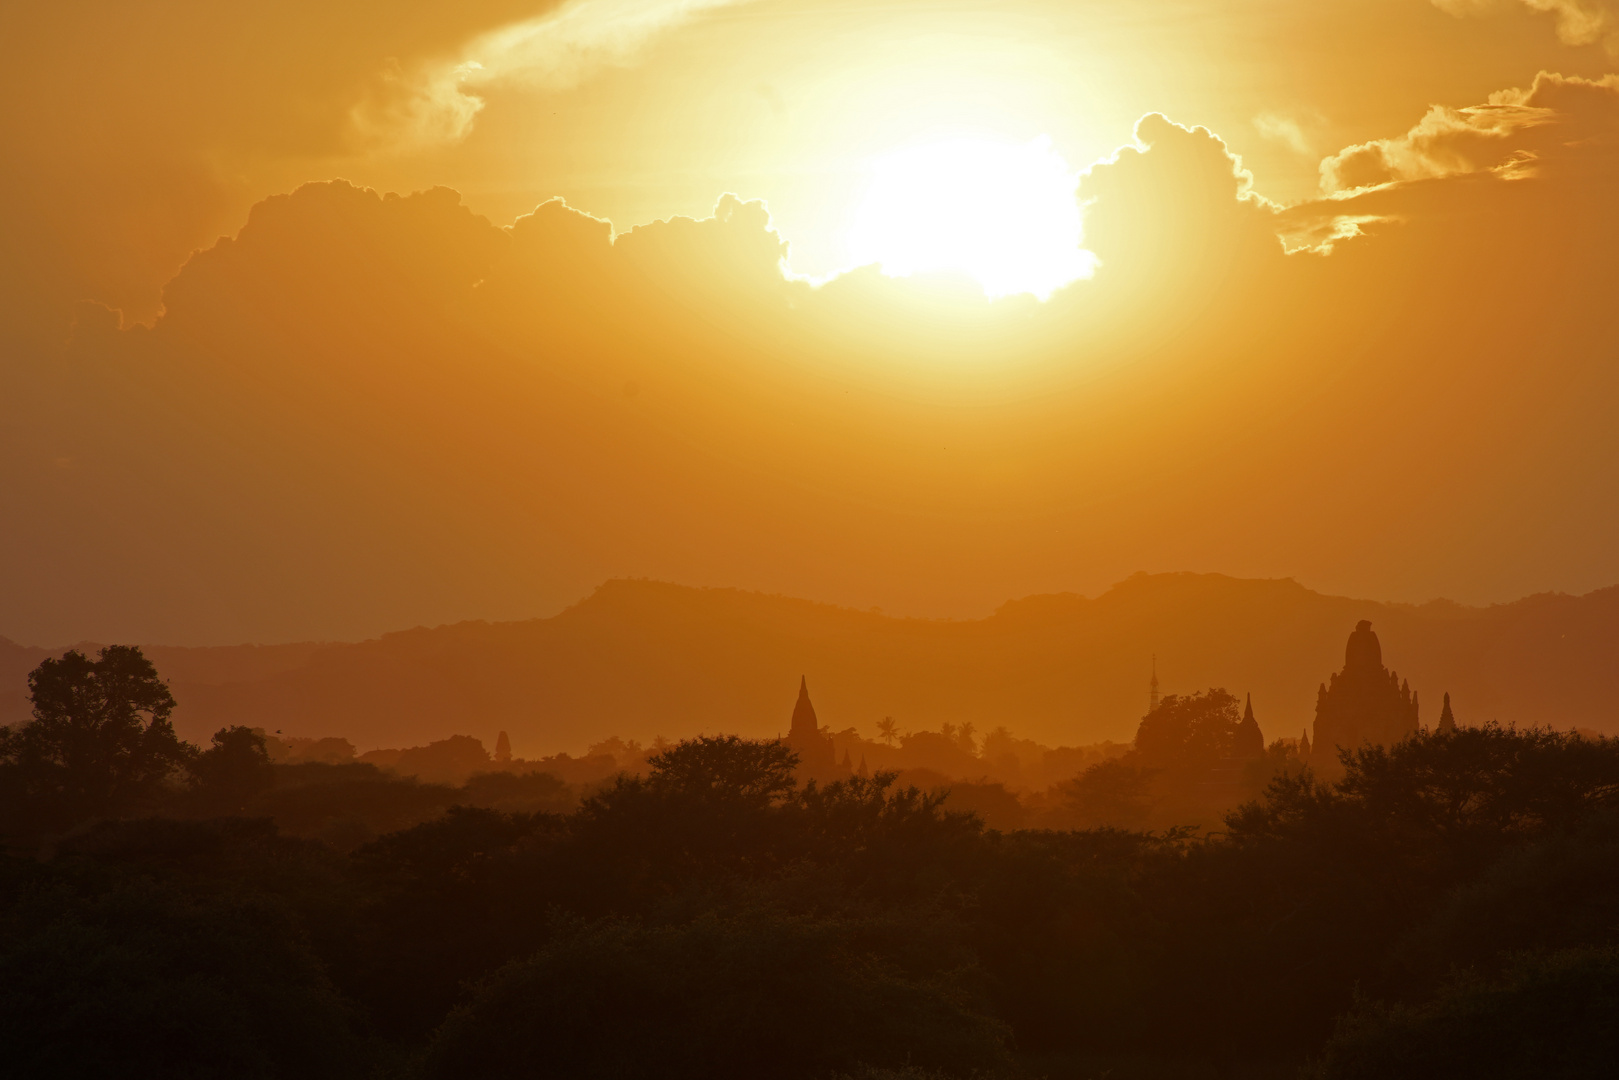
(1447, 719)
(1250, 741)
(817, 757)
(1364, 703)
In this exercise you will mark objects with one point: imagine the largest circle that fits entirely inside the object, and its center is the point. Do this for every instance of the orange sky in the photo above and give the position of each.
(1343, 312)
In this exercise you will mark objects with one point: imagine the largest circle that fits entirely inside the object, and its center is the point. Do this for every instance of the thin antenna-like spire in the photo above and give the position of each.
(1152, 686)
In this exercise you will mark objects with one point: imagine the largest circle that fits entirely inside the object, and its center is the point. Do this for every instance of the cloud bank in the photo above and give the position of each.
(364, 411)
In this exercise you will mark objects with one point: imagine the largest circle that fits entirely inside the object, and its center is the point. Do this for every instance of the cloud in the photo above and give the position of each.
(438, 101)
(1447, 141)
(362, 409)
(1175, 212)
(1283, 129)
(367, 410)
(138, 131)
(1579, 22)
(1557, 121)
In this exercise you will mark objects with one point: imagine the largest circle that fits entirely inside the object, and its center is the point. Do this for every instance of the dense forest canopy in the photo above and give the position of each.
(1448, 906)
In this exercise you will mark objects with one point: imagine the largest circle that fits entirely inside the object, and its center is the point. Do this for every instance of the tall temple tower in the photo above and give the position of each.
(817, 757)
(1363, 703)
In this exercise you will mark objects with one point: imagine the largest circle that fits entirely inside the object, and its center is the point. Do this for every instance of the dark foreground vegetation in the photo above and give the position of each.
(1448, 907)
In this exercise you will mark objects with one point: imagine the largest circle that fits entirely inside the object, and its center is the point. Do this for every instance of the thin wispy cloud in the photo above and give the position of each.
(1579, 22)
(440, 101)
(1283, 129)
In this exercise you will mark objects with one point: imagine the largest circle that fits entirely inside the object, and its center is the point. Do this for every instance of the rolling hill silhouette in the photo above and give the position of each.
(642, 658)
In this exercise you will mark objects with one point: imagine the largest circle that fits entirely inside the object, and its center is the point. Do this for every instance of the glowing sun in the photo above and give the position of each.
(1004, 214)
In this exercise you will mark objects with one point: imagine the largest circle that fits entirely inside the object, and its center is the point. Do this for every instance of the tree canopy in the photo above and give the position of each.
(99, 740)
(1189, 730)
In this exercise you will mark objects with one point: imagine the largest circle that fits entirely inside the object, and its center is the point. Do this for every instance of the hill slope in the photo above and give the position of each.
(641, 658)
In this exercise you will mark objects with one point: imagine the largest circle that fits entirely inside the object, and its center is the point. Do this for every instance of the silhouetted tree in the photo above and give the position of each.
(882, 840)
(1559, 891)
(702, 809)
(447, 761)
(725, 769)
(1553, 1017)
(757, 994)
(711, 919)
(99, 741)
(968, 736)
(887, 730)
(233, 770)
(1190, 731)
(1434, 799)
(448, 902)
(1110, 793)
(1278, 759)
(148, 979)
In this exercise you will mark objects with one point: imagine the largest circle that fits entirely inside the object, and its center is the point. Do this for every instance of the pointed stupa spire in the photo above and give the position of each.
(1447, 719)
(1304, 745)
(805, 725)
(1250, 741)
(817, 754)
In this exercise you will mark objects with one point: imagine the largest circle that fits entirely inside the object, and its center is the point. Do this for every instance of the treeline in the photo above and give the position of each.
(1008, 781)
(1447, 908)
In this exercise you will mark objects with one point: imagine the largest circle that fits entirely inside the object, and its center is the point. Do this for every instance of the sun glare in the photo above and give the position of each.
(1003, 213)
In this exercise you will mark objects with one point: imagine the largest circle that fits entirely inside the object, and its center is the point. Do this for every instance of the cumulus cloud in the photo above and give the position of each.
(368, 410)
(438, 101)
(1175, 210)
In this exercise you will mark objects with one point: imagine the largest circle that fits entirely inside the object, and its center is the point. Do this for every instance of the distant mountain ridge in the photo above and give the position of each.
(642, 658)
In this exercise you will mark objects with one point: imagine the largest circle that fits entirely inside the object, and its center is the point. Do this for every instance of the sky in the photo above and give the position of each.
(319, 320)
